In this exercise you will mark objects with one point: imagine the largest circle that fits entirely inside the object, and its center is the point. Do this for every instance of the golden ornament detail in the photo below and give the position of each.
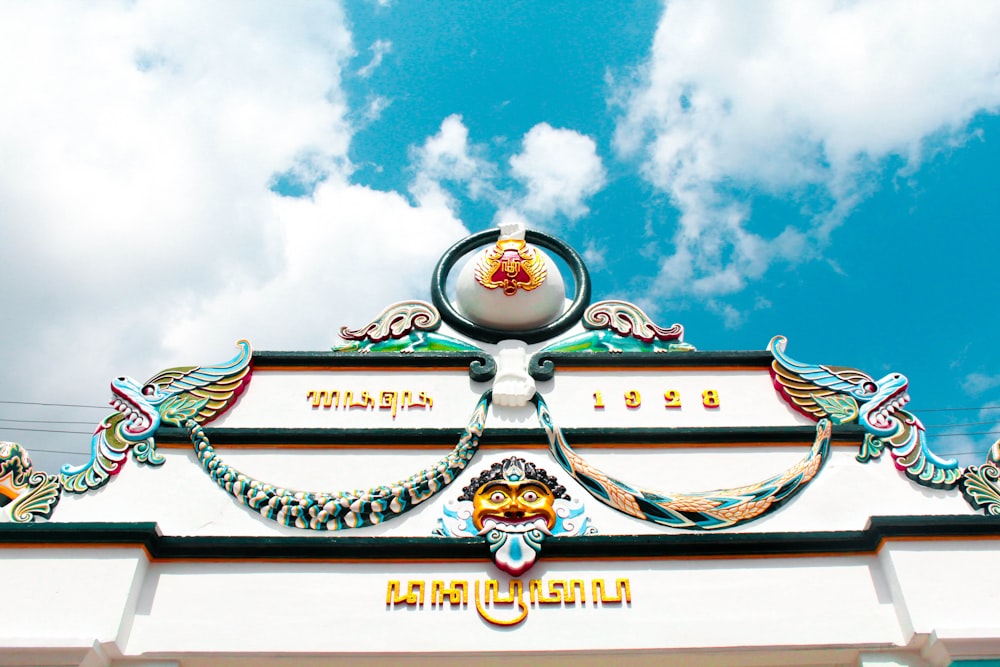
(511, 265)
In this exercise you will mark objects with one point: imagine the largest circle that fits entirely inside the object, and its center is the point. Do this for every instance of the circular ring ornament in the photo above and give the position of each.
(462, 324)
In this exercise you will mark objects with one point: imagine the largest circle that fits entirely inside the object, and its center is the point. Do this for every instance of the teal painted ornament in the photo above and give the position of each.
(340, 510)
(173, 396)
(26, 494)
(404, 327)
(846, 395)
(621, 327)
(699, 510)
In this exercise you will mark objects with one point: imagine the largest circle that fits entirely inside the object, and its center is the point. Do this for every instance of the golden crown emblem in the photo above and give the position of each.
(511, 265)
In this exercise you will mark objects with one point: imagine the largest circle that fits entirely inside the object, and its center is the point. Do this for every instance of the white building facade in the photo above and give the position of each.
(504, 475)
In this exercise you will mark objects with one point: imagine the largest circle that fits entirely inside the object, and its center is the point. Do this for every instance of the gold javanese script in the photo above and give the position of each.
(506, 607)
(393, 401)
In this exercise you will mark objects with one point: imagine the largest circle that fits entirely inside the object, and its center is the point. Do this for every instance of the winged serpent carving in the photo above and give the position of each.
(172, 396)
(845, 395)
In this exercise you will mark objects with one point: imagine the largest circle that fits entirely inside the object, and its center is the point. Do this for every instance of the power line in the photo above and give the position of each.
(42, 421)
(43, 430)
(955, 425)
(56, 405)
(953, 435)
(985, 407)
(53, 451)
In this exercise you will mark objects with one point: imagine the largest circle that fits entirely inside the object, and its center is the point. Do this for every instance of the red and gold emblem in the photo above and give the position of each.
(511, 265)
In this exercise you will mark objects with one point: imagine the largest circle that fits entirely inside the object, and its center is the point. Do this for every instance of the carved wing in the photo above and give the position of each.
(819, 391)
(396, 321)
(201, 392)
(39, 501)
(628, 319)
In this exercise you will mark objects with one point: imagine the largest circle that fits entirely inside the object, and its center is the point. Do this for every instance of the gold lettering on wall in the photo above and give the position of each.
(393, 401)
(456, 593)
(506, 605)
(632, 399)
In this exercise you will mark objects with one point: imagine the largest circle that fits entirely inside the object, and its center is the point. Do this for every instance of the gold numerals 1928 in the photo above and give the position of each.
(671, 399)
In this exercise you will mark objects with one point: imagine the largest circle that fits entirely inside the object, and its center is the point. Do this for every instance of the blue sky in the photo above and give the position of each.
(181, 176)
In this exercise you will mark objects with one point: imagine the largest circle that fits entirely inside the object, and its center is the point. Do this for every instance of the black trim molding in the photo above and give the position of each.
(542, 365)
(321, 547)
(446, 437)
(481, 365)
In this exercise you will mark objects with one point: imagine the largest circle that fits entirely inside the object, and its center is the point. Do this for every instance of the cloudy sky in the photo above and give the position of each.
(176, 176)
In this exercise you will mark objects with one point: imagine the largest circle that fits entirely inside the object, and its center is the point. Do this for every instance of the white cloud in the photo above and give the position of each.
(560, 169)
(781, 97)
(448, 156)
(595, 256)
(348, 252)
(977, 383)
(379, 49)
(138, 229)
(731, 317)
(374, 106)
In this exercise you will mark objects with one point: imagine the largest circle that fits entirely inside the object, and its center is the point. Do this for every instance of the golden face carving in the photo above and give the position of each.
(513, 502)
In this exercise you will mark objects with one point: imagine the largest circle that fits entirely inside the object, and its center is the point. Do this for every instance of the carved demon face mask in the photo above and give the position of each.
(514, 505)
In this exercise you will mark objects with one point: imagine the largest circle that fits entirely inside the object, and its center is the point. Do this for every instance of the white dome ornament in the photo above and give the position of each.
(511, 285)
(511, 290)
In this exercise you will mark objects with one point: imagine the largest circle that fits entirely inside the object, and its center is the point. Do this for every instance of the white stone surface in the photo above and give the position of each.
(281, 399)
(513, 386)
(830, 610)
(912, 603)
